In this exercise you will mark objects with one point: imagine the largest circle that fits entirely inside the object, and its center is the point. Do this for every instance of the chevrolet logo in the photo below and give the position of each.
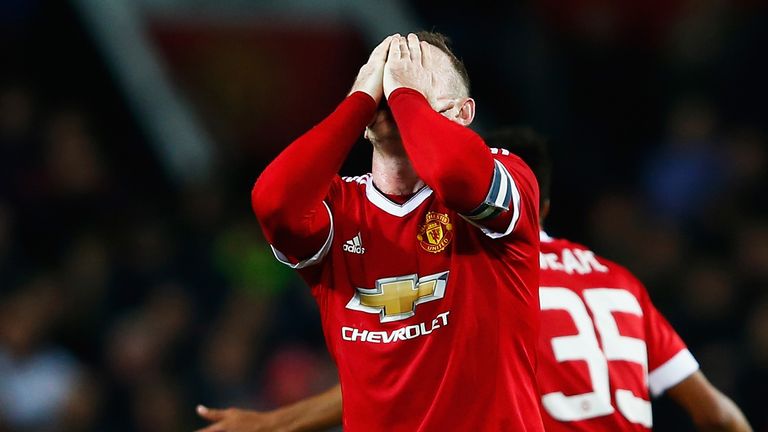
(396, 298)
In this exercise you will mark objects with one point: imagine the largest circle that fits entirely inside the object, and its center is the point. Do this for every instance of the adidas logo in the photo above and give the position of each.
(355, 245)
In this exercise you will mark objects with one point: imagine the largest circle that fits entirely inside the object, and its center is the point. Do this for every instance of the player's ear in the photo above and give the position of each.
(466, 112)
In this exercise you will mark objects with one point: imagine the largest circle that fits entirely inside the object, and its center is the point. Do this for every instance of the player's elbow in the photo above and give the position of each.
(723, 422)
(709, 409)
(462, 182)
(713, 420)
(458, 189)
(265, 207)
(258, 203)
(724, 417)
(279, 222)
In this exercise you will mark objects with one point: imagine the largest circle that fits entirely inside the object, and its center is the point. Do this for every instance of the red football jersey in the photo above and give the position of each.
(433, 321)
(604, 347)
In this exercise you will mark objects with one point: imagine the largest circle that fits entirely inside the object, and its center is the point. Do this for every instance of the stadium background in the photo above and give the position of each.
(134, 282)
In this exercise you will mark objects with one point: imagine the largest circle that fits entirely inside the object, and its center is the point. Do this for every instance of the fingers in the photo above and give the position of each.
(403, 48)
(394, 48)
(380, 52)
(414, 48)
(400, 48)
(426, 53)
(210, 414)
(403, 45)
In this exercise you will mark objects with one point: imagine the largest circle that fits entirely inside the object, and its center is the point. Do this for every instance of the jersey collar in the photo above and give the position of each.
(381, 201)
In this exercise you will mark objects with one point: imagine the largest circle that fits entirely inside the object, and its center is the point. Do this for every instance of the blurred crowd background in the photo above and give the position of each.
(134, 286)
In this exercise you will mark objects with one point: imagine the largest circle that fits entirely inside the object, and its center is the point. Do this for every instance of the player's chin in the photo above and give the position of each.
(377, 139)
(383, 116)
(383, 131)
(384, 106)
(383, 124)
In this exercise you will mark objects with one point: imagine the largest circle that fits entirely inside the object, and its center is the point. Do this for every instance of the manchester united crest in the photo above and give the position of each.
(436, 233)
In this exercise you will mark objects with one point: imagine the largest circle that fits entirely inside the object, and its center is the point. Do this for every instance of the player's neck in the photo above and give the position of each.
(393, 173)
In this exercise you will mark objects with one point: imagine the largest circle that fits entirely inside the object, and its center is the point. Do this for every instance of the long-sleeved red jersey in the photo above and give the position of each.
(604, 348)
(429, 307)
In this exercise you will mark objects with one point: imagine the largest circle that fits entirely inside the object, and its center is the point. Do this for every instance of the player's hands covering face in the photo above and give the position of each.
(370, 77)
(405, 66)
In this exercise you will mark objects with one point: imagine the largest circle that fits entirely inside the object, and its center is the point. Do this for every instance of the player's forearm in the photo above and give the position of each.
(452, 159)
(313, 414)
(287, 197)
(710, 410)
(307, 166)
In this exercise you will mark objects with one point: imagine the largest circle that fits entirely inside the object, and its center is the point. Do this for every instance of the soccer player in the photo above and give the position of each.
(426, 270)
(604, 348)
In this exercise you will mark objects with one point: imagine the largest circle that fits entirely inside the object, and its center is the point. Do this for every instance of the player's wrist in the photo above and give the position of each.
(402, 91)
(287, 419)
(363, 96)
(364, 103)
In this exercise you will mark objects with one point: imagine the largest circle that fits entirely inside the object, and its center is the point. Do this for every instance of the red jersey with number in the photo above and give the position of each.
(604, 348)
(432, 320)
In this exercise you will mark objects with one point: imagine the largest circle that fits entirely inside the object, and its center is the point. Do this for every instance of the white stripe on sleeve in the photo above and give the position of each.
(515, 207)
(314, 259)
(671, 373)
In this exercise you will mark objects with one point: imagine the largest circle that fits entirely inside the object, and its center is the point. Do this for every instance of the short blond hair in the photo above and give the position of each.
(443, 43)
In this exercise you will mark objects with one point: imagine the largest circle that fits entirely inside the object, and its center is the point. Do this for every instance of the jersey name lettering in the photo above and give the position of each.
(571, 261)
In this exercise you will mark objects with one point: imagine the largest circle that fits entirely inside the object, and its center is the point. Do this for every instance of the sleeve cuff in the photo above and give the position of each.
(365, 99)
(396, 93)
(314, 259)
(671, 373)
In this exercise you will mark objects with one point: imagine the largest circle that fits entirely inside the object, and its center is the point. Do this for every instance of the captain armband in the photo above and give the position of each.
(499, 195)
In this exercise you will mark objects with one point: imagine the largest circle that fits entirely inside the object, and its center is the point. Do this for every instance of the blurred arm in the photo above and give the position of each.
(709, 409)
(316, 413)
(313, 414)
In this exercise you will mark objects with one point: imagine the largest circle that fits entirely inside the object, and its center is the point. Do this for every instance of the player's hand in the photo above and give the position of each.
(405, 66)
(238, 420)
(370, 77)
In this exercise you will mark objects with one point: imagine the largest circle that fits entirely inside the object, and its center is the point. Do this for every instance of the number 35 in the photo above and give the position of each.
(602, 302)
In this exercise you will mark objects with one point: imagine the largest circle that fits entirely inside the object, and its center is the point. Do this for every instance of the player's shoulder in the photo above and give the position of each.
(347, 190)
(356, 181)
(558, 244)
(509, 159)
(500, 151)
(560, 254)
(350, 184)
(520, 172)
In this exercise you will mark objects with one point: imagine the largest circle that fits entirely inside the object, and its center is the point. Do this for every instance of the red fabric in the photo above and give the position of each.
(583, 280)
(452, 159)
(289, 207)
(461, 362)
(410, 370)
